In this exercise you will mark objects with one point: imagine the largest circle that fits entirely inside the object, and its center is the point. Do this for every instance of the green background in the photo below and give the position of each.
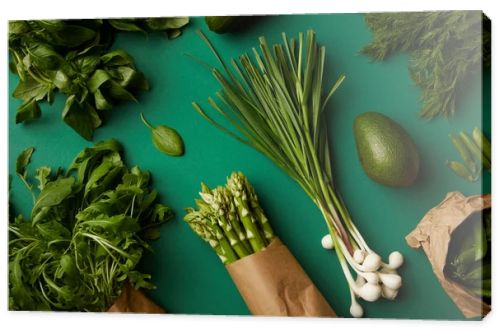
(189, 276)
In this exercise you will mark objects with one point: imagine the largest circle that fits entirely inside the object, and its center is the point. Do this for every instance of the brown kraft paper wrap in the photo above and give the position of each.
(132, 300)
(433, 235)
(273, 283)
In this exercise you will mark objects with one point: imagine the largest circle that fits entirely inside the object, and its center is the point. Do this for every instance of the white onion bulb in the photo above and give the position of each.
(396, 260)
(327, 242)
(392, 281)
(356, 310)
(372, 262)
(371, 277)
(369, 292)
(359, 256)
(389, 293)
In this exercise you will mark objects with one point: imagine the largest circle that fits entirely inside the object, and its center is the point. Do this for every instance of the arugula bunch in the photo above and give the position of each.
(445, 48)
(74, 57)
(86, 232)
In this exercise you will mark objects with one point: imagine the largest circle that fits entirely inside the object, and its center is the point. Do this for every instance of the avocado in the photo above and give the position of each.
(386, 151)
(222, 24)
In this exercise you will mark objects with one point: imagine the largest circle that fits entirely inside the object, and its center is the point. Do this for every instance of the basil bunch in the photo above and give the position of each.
(74, 57)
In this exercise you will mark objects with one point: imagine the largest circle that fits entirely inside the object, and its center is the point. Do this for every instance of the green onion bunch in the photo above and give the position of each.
(277, 105)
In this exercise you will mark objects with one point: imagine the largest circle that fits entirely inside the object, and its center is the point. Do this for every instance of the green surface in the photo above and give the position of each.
(189, 276)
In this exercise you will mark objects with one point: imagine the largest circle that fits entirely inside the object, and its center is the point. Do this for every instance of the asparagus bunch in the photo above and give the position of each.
(475, 152)
(231, 219)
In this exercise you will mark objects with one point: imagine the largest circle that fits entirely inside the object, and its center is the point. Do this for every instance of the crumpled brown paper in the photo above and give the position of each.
(433, 235)
(273, 283)
(132, 300)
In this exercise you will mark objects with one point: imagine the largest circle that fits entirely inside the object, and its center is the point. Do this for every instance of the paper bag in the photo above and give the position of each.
(132, 300)
(433, 235)
(273, 283)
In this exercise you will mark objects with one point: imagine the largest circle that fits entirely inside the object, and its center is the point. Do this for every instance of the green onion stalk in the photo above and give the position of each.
(276, 104)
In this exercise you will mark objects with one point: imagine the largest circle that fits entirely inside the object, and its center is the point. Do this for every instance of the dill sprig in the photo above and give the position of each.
(445, 49)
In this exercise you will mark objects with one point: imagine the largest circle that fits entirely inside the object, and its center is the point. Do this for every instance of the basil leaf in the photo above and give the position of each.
(117, 58)
(100, 101)
(60, 80)
(165, 139)
(31, 90)
(129, 78)
(71, 36)
(82, 118)
(28, 111)
(97, 80)
(118, 92)
(18, 27)
(44, 56)
(125, 25)
(87, 64)
(165, 23)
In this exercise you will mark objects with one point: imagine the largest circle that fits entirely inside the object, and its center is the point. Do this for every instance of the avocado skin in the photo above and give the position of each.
(222, 24)
(386, 151)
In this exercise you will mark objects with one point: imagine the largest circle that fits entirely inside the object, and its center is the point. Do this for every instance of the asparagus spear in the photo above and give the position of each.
(484, 144)
(236, 185)
(256, 208)
(216, 200)
(474, 150)
(209, 231)
(464, 152)
(235, 221)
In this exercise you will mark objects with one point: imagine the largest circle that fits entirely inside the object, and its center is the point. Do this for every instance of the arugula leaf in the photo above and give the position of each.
(43, 176)
(54, 193)
(22, 163)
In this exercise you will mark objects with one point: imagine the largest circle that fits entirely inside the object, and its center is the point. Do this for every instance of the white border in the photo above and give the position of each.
(85, 323)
